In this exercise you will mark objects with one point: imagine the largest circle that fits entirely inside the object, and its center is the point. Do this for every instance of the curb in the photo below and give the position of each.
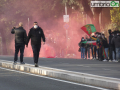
(100, 81)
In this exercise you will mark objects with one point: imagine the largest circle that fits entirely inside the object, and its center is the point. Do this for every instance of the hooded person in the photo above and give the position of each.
(110, 45)
(105, 47)
(116, 42)
(35, 34)
(82, 47)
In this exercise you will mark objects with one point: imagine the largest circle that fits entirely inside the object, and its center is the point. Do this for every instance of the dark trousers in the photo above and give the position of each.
(36, 50)
(111, 50)
(93, 51)
(87, 51)
(18, 47)
(100, 52)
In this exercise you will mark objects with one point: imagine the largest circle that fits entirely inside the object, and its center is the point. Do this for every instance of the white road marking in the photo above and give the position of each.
(55, 79)
(64, 70)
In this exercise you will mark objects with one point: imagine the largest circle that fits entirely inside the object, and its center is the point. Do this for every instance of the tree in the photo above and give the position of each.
(87, 9)
(115, 16)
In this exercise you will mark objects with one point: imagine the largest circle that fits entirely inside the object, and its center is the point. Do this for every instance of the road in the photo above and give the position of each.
(108, 69)
(16, 80)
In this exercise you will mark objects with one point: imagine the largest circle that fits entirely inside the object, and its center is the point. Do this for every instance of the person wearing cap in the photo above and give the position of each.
(116, 42)
(20, 41)
(35, 34)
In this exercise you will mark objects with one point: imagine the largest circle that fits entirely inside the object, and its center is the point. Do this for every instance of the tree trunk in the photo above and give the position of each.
(95, 17)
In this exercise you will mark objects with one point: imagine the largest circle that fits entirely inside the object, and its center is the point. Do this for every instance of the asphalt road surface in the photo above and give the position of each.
(108, 69)
(16, 80)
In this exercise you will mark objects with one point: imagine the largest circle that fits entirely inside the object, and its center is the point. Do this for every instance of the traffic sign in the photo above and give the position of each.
(66, 26)
(66, 18)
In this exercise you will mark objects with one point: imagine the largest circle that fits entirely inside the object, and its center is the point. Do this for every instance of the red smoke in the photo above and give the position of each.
(58, 43)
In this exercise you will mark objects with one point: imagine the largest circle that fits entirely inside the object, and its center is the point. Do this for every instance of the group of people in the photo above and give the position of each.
(103, 50)
(21, 39)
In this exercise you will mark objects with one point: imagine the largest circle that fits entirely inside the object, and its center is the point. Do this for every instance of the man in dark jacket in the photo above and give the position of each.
(105, 47)
(36, 33)
(116, 42)
(20, 41)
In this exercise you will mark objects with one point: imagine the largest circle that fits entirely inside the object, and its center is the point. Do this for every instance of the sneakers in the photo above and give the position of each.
(104, 60)
(36, 65)
(110, 60)
(115, 61)
(15, 62)
(22, 63)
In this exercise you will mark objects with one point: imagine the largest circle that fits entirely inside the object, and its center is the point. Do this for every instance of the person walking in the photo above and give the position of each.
(35, 34)
(20, 41)
(82, 47)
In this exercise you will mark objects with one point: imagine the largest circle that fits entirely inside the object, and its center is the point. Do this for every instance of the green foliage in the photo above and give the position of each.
(74, 4)
(115, 17)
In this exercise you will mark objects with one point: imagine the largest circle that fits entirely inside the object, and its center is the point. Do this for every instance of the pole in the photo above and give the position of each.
(28, 23)
(65, 9)
(66, 29)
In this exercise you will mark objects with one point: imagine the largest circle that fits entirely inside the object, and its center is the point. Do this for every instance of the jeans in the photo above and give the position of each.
(106, 51)
(82, 52)
(36, 50)
(113, 55)
(118, 53)
(18, 47)
(87, 50)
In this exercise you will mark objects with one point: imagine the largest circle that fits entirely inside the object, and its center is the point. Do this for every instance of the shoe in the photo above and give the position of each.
(36, 65)
(104, 60)
(22, 63)
(115, 61)
(15, 62)
(88, 58)
(110, 60)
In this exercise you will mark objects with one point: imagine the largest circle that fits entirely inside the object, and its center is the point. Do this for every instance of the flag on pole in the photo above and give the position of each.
(88, 29)
(90, 42)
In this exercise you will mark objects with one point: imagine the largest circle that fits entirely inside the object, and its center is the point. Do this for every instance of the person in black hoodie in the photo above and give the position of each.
(105, 46)
(36, 33)
(20, 41)
(82, 46)
(110, 45)
(116, 42)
